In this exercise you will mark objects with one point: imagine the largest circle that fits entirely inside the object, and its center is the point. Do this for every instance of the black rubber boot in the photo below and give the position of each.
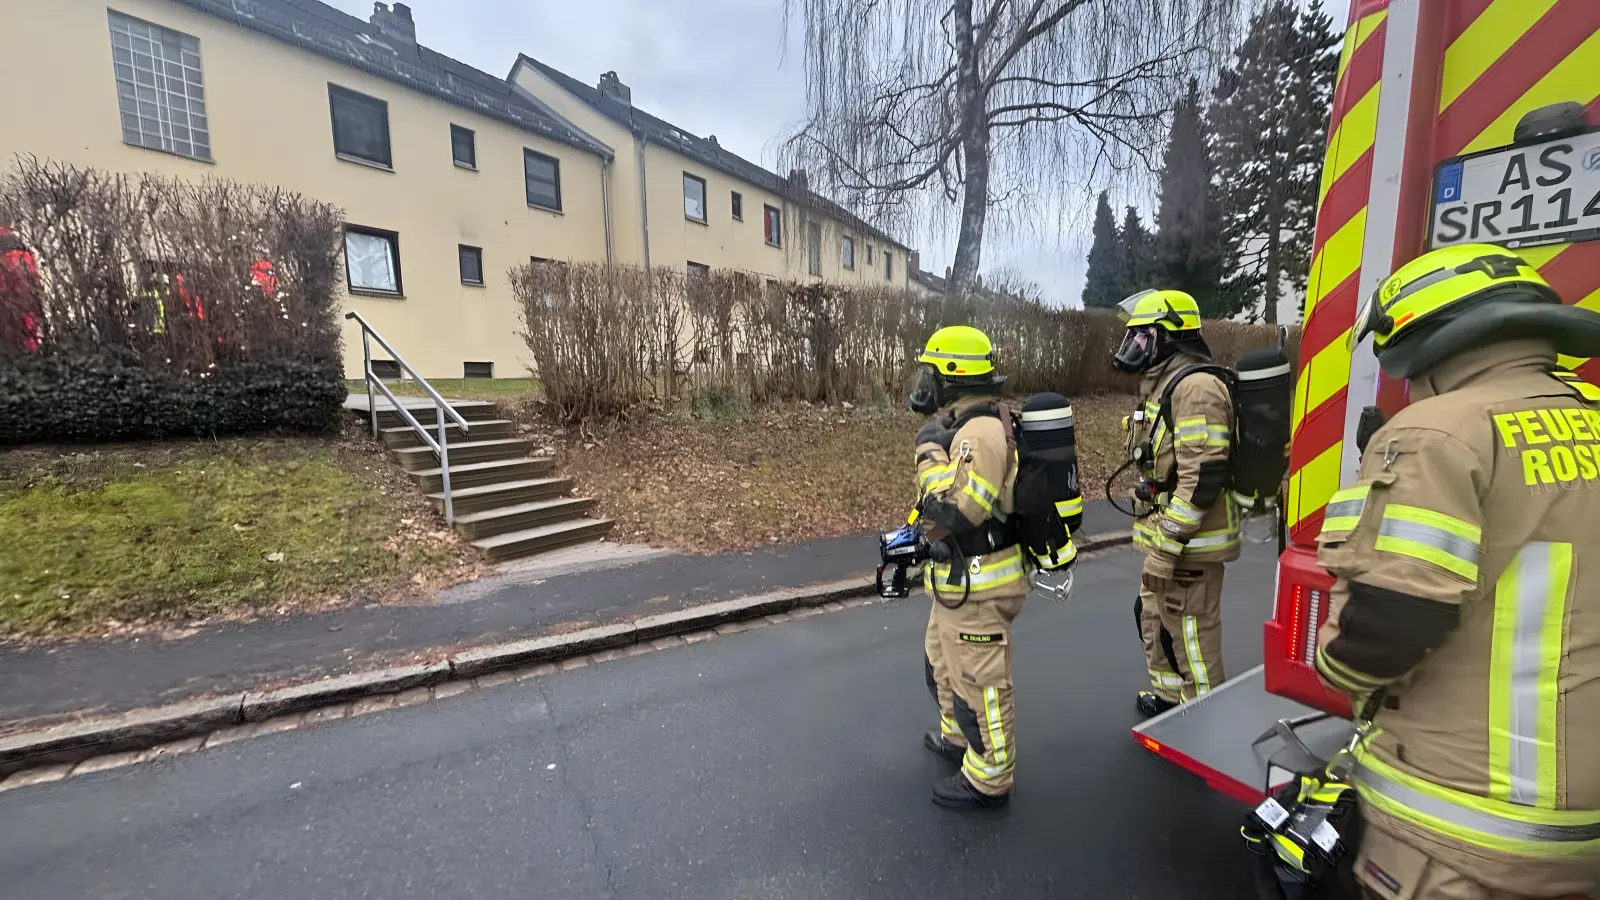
(936, 742)
(956, 792)
(1150, 704)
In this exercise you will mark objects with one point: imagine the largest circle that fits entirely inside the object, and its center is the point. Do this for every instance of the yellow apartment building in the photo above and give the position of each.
(448, 176)
(684, 201)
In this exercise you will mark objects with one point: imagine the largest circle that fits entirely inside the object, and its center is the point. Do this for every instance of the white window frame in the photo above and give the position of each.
(161, 95)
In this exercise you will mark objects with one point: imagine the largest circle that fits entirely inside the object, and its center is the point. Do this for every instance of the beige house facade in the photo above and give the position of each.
(681, 200)
(448, 176)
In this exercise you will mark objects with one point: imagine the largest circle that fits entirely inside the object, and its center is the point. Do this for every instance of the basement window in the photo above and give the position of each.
(477, 370)
(386, 369)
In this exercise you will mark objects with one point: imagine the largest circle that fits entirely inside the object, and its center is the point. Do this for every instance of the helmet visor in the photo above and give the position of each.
(1366, 319)
(1127, 308)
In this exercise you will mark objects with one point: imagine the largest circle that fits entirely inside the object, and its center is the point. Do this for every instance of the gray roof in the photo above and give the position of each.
(703, 150)
(321, 29)
(935, 282)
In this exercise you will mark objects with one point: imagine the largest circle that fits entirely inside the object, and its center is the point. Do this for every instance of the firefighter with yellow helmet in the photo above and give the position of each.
(1188, 527)
(1465, 620)
(977, 574)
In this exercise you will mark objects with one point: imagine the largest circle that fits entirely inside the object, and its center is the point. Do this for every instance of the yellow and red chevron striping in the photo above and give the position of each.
(1502, 58)
(1336, 259)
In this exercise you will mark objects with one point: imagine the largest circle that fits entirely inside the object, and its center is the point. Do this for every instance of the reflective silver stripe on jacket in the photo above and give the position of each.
(1474, 819)
(1428, 536)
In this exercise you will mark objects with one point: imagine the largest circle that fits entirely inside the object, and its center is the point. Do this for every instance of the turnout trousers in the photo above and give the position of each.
(1402, 861)
(967, 661)
(1180, 623)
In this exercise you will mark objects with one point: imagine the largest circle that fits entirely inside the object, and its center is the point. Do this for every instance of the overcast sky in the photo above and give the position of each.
(713, 67)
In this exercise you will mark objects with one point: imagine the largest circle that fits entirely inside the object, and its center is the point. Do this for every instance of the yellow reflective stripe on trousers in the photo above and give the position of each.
(1164, 680)
(1197, 660)
(1432, 537)
(1343, 512)
(1530, 605)
(978, 770)
(950, 727)
(981, 491)
(1066, 508)
(1480, 821)
(997, 734)
(996, 570)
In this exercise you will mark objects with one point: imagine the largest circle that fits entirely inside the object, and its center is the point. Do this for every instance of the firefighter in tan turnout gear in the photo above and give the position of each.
(977, 576)
(1188, 526)
(1466, 615)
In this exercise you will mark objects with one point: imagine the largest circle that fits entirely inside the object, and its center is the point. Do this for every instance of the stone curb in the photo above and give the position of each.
(63, 746)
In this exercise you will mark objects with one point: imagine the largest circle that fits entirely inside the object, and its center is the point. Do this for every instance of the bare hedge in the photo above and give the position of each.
(139, 306)
(607, 345)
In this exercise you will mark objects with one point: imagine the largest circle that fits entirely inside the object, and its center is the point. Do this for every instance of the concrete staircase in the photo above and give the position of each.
(508, 502)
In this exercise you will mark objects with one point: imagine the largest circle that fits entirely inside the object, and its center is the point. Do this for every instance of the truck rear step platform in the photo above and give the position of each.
(1211, 737)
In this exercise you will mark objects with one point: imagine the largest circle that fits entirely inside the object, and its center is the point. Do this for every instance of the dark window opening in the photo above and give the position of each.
(463, 147)
(477, 370)
(543, 179)
(471, 264)
(738, 206)
(847, 252)
(360, 126)
(814, 248)
(888, 266)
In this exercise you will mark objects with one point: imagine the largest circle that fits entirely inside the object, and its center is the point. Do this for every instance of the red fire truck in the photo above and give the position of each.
(1454, 121)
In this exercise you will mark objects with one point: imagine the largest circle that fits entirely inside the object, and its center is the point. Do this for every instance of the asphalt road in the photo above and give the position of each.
(783, 762)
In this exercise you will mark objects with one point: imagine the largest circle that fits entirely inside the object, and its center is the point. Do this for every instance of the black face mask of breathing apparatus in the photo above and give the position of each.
(929, 393)
(1138, 350)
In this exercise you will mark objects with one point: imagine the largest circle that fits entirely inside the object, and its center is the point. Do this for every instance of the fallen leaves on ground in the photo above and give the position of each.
(779, 474)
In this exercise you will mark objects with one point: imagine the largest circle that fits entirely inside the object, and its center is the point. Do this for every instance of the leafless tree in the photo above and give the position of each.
(986, 101)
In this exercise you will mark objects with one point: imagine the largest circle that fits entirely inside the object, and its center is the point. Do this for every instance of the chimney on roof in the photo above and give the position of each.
(800, 179)
(395, 25)
(914, 262)
(612, 87)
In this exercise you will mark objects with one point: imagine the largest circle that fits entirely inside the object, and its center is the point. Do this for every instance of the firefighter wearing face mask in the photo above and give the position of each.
(1188, 528)
(1465, 619)
(977, 576)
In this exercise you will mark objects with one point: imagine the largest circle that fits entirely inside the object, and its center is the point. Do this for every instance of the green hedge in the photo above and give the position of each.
(61, 397)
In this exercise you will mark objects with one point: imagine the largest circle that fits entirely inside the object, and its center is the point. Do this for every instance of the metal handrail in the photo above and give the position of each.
(440, 447)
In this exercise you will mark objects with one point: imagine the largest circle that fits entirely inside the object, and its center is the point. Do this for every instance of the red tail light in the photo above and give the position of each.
(1291, 636)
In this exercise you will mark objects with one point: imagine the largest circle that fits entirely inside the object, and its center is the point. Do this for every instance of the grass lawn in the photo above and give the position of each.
(124, 536)
(459, 388)
(788, 473)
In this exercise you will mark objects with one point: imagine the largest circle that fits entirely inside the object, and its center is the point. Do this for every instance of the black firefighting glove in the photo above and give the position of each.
(937, 431)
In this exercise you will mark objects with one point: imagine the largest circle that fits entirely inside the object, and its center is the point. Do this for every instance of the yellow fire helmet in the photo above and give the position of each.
(1437, 285)
(959, 350)
(1172, 311)
(1459, 298)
